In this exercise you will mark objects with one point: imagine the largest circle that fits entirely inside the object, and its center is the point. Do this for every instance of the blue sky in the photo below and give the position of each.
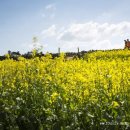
(68, 24)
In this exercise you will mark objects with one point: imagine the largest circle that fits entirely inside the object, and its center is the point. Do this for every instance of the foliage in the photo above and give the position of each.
(58, 94)
(7, 56)
(108, 55)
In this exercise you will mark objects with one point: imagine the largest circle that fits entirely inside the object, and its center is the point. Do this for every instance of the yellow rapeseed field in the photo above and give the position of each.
(56, 94)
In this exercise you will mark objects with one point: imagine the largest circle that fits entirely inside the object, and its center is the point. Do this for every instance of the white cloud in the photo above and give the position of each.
(90, 35)
(91, 31)
(51, 16)
(49, 11)
(50, 7)
(95, 35)
(50, 32)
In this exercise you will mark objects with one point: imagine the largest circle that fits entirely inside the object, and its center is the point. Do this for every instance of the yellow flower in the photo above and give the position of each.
(115, 104)
(54, 96)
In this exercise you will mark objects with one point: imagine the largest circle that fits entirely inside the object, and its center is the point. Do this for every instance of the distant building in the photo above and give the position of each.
(127, 43)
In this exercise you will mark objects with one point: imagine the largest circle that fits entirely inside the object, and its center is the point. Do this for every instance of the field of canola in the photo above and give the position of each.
(58, 94)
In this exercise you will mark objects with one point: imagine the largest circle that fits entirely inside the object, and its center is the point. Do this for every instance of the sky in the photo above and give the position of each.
(68, 24)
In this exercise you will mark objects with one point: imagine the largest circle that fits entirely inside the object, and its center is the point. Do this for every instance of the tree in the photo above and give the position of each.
(37, 47)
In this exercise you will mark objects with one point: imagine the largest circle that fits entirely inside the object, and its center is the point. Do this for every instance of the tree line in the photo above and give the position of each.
(31, 54)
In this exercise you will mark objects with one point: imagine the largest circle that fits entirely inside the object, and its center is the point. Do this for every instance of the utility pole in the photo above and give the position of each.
(59, 50)
(78, 50)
